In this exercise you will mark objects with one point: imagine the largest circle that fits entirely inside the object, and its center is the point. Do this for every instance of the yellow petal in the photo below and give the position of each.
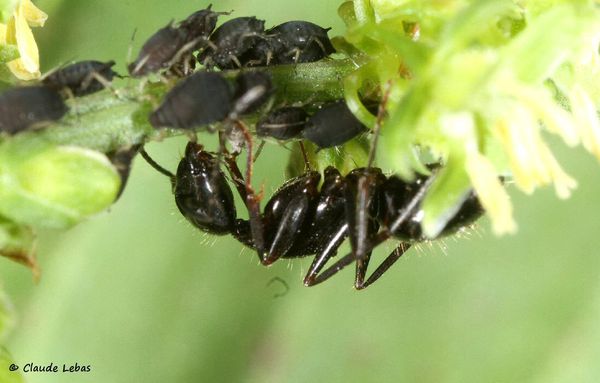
(28, 50)
(20, 72)
(34, 16)
(2, 33)
(491, 193)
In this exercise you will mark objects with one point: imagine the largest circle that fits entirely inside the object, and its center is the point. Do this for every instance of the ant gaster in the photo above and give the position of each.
(201, 191)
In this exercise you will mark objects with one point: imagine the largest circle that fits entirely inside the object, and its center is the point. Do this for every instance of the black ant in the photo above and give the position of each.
(302, 219)
(365, 206)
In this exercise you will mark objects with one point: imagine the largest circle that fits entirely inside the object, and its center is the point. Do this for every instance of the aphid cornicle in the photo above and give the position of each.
(159, 51)
(230, 41)
(283, 123)
(82, 78)
(332, 125)
(252, 89)
(29, 107)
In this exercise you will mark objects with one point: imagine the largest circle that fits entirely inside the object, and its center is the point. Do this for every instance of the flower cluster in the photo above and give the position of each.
(477, 84)
(18, 49)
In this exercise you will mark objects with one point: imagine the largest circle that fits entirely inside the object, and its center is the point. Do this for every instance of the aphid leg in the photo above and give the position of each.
(297, 53)
(236, 61)
(269, 57)
(141, 64)
(314, 39)
(186, 48)
(102, 80)
(259, 150)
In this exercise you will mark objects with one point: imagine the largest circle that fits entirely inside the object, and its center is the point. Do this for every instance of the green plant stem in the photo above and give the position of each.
(109, 120)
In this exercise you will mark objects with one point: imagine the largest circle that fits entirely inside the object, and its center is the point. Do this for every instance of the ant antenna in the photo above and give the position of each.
(155, 165)
(378, 122)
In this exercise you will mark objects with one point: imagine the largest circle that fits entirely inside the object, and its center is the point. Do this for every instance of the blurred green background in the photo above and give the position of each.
(141, 296)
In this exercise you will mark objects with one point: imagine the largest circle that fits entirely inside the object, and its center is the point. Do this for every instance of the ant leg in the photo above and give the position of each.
(343, 262)
(312, 276)
(361, 200)
(361, 267)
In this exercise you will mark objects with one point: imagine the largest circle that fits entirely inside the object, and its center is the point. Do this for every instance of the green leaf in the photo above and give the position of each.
(49, 186)
(7, 7)
(7, 320)
(545, 44)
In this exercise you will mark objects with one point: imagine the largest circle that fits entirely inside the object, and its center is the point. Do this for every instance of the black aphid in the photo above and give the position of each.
(283, 123)
(301, 42)
(82, 78)
(288, 43)
(159, 51)
(199, 25)
(207, 97)
(122, 159)
(29, 107)
(332, 125)
(201, 99)
(231, 40)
